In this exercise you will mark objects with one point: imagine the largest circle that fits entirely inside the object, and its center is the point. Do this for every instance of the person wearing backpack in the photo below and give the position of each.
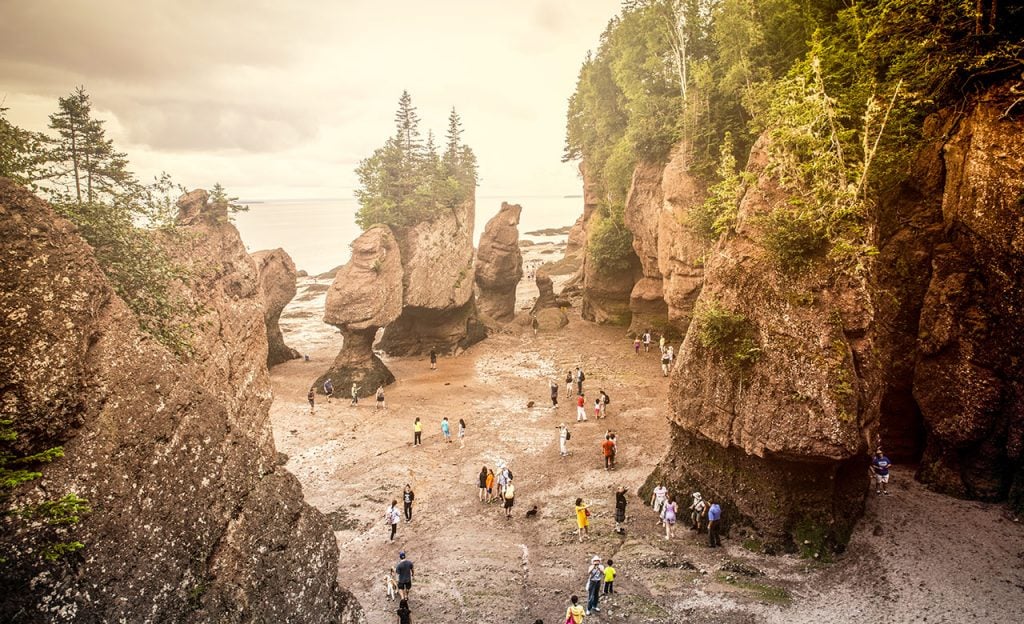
(580, 378)
(582, 519)
(563, 437)
(574, 613)
(509, 496)
(697, 508)
(568, 384)
(605, 402)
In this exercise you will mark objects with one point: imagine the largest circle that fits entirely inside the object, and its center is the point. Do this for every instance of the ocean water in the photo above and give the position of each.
(317, 233)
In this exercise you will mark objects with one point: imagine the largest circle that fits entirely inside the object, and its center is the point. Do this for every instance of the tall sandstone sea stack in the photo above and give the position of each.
(499, 264)
(277, 283)
(192, 518)
(366, 295)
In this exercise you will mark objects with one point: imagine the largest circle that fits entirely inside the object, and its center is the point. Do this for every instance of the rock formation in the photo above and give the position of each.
(191, 519)
(643, 209)
(366, 295)
(499, 264)
(277, 283)
(438, 310)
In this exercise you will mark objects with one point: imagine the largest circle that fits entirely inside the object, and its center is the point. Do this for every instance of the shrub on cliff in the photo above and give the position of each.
(406, 181)
(611, 243)
(726, 333)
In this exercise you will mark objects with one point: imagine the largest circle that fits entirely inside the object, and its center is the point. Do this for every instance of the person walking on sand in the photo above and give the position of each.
(620, 509)
(462, 433)
(433, 358)
(563, 438)
(615, 447)
(658, 499)
(605, 400)
(671, 510)
(490, 486)
(636, 345)
(329, 389)
(647, 340)
(355, 395)
(574, 612)
(580, 378)
(697, 508)
(407, 498)
(380, 398)
(608, 450)
(392, 517)
(665, 361)
(582, 520)
(482, 479)
(405, 572)
(554, 393)
(311, 397)
(581, 412)
(880, 469)
(502, 481)
(403, 611)
(510, 497)
(661, 343)
(597, 408)
(671, 358)
(595, 574)
(714, 522)
(568, 384)
(417, 432)
(609, 578)
(446, 431)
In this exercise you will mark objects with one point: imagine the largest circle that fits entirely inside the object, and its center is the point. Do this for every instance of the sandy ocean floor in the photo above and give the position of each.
(915, 557)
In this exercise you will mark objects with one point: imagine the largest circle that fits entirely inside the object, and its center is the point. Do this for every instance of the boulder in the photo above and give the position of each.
(277, 277)
(366, 295)
(551, 319)
(499, 264)
(191, 518)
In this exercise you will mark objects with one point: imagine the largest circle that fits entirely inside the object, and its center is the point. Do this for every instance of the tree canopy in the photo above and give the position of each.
(407, 181)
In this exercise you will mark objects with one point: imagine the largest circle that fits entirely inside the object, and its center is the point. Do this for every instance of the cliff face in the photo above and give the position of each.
(277, 283)
(642, 215)
(366, 294)
(438, 308)
(499, 264)
(192, 520)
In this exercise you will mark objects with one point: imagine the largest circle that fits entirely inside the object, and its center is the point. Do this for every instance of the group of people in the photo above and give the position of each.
(392, 516)
(446, 432)
(498, 487)
(704, 514)
(328, 388)
(668, 354)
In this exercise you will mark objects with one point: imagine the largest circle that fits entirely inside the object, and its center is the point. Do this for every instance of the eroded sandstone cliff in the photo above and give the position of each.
(277, 277)
(499, 264)
(192, 518)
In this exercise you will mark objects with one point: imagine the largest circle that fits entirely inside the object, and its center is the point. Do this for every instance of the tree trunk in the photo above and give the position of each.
(74, 161)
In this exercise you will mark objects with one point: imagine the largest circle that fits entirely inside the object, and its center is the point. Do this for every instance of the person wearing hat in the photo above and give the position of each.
(697, 508)
(594, 577)
(880, 468)
(404, 570)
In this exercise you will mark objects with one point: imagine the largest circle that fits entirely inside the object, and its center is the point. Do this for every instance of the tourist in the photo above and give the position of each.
(608, 450)
(671, 358)
(880, 468)
(462, 433)
(482, 477)
(380, 398)
(392, 517)
(636, 345)
(647, 340)
(509, 495)
(329, 389)
(658, 498)
(665, 361)
(417, 432)
(407, 498)
(433, 358)
(405, 573)
(605, 401)
(355, 395)
(597, 408)
(582, 520)
(581, 412)
(714, 520)
(445, 431)
(554, 393)
(534, 323)
(615, 447)
(580, 378)
(661, 343)
(563, 438)
(490, 486)
(609, 578)
(574, 613)
(697, 508)
(568, 384)
(620, 509)
(311, 397)
(502, 481)
(671, 510)
(594, 577)
(404, 614)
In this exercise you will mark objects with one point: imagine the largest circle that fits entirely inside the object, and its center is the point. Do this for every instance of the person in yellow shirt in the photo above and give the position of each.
(609, 578)
(417, 432)
(582, 519)
(574, 614)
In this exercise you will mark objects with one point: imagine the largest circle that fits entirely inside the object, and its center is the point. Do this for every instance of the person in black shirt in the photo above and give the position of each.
(407, 498)
(620, 509)
(404, 570)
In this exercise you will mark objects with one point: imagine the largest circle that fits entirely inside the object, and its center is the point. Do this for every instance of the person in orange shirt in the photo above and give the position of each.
(608, 448)
(490, 485)
(581, 411)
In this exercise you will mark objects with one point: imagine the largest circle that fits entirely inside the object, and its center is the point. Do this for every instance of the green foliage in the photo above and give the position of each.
(406, 181)
(17, 469)
(793, 236)
(726, 333)
(717, 214)
(21, 152)
(220, 196)
(611, 243)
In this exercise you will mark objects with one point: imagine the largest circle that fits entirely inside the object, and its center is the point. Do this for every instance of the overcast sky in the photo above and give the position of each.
(280, 99)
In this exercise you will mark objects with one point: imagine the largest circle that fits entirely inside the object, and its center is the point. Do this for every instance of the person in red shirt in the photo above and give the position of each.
(581, 411)
(608, 448)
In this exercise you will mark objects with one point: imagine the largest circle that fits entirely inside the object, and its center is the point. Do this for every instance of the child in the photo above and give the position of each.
(597, 408)
(636, 345)
(609, 578)
(380, 398)
(446, 431)
(462, 433)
